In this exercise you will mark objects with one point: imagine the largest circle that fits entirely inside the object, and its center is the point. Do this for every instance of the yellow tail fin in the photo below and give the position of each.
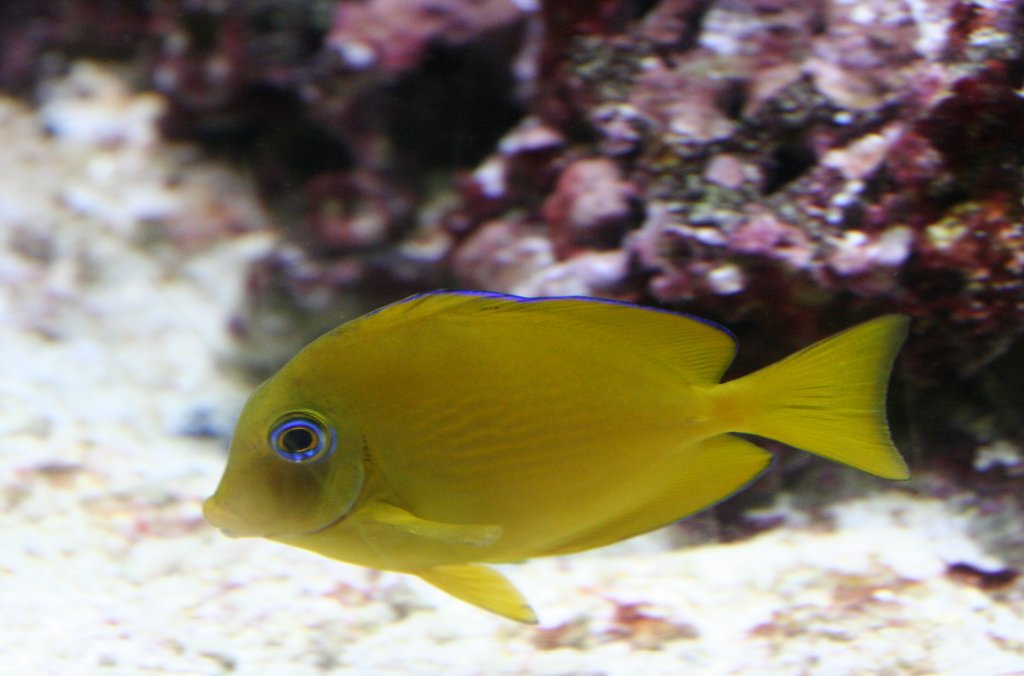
(829, 398)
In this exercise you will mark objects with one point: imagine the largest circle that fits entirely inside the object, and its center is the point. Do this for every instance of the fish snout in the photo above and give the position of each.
(227, 521)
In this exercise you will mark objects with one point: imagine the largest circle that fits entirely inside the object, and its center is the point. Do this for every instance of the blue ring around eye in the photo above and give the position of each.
(301, 437)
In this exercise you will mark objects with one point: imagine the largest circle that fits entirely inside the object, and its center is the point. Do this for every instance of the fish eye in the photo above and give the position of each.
(301, 437)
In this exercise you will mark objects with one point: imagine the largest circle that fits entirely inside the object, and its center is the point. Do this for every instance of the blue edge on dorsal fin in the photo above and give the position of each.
(541, 299)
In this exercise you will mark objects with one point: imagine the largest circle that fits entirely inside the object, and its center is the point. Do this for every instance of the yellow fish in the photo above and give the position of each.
(454, 429)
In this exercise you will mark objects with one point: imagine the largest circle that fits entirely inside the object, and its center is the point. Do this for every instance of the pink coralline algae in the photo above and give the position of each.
(391, 36)
(353, 210)
(590, 204)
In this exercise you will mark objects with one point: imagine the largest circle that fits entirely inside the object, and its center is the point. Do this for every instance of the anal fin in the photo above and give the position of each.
(481, 586)
(698, 477)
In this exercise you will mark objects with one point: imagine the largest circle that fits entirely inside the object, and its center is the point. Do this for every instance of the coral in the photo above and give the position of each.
(392, 36)
(591, 204)
(975, 129)
(35, 35)
(354, 210)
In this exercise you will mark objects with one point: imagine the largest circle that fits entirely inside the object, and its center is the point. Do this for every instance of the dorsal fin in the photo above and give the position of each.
(698, 349)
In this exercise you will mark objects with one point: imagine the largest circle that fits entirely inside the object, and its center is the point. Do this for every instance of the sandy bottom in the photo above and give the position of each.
(113, 407)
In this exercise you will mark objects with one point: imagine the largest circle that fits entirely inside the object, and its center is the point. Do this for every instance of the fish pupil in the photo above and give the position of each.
(298, 439)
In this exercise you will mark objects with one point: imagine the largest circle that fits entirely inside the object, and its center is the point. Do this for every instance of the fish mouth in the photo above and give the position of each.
(232, 525)
(227, 521)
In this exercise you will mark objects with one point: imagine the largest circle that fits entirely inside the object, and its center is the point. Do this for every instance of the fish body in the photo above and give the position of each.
(455, 429)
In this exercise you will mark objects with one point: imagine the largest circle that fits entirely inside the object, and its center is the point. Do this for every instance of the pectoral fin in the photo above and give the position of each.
(455, 533)
(483, 587)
